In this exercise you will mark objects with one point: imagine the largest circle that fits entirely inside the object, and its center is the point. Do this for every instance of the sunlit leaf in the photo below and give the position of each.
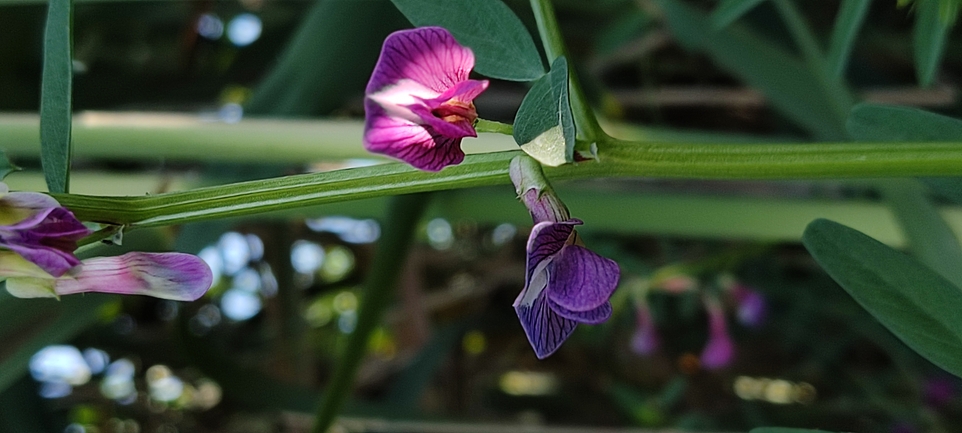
(502, 46)
(728, 11)
(55, 95)
(544, 126)
(911, 300)
(851, 16)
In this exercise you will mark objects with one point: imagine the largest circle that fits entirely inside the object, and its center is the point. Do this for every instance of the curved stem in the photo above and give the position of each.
(405, 211)
(585, 121)
(617, 158)
(483, 125)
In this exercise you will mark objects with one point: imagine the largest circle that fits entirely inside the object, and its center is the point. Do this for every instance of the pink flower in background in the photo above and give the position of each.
(719, 351)
(419, 101)
(645, 341)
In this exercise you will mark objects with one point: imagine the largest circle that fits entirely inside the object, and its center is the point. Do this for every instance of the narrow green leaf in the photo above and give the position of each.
(55, 92)
(6, 167)
(502, 46)
(874, 122)
(930, 238)
(790, 86)
(912, 301)
(930, 34)
(728, 11)
(544, 126)
(851, 16)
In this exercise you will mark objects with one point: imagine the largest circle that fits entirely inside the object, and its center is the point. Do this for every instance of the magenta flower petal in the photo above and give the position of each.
(720, 350)
(47, 238)
(582, 280)
(545, 328)
(174, 276)
(419, 101)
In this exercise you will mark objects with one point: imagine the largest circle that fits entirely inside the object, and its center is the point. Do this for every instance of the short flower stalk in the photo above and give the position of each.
(565, 283)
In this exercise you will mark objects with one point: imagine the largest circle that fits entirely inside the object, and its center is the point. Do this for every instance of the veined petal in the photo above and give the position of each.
(545, 329)
(580, 279)
(546, 240)
(52, 260)
(590, 317)
(418, 145)
(427, 55)
(174, 276)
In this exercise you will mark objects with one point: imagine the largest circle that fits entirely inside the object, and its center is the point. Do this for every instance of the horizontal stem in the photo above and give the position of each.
(616, 159)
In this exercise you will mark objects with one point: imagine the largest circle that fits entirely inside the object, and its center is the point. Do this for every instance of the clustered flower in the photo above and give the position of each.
(37, 242)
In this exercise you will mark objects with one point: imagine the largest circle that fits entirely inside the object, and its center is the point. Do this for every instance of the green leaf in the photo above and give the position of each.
(544, 126)
(728, 11)
(789, 84)
(930, 34)
(6, 167)
(851, 16)
(873, 122)
(912, 301)
(502, 46)
(930, 238)
(55, 92)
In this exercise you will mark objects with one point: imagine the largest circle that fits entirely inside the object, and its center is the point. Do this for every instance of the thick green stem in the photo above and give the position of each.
(617, 158)
(585, 121)
(405, 212)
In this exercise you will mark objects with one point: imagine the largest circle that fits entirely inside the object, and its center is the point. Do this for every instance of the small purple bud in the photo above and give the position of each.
(752, 307)
(645, 341)
(939, 392)
(720, 350)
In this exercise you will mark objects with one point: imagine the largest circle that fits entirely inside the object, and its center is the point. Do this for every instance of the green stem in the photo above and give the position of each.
(405, 212)
(618, 158)
(585, 121)
(483, 125)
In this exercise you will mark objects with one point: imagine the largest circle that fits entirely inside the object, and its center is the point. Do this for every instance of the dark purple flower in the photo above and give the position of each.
(752, 307)
(36, 227)
(645, 341)
(419, 101)
(565, 283)
(719, 351)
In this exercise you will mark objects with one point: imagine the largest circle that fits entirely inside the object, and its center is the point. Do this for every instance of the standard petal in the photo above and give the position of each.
(580, 279)
(427, 55)
(418, 145)
(174, 276)
(546, 240)
(591, 317)
(546, 330)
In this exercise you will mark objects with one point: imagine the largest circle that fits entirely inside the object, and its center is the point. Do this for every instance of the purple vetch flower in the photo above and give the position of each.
(565, 283)
(173, 276)
(36, 227)
(419, 101)
(719, 350)
(752, 307)
(645, 341)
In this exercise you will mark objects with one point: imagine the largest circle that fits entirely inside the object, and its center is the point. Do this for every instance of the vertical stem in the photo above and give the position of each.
(585, 121)
(403, 215)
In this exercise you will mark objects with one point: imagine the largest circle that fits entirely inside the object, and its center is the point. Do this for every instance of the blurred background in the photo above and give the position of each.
(722, 321)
